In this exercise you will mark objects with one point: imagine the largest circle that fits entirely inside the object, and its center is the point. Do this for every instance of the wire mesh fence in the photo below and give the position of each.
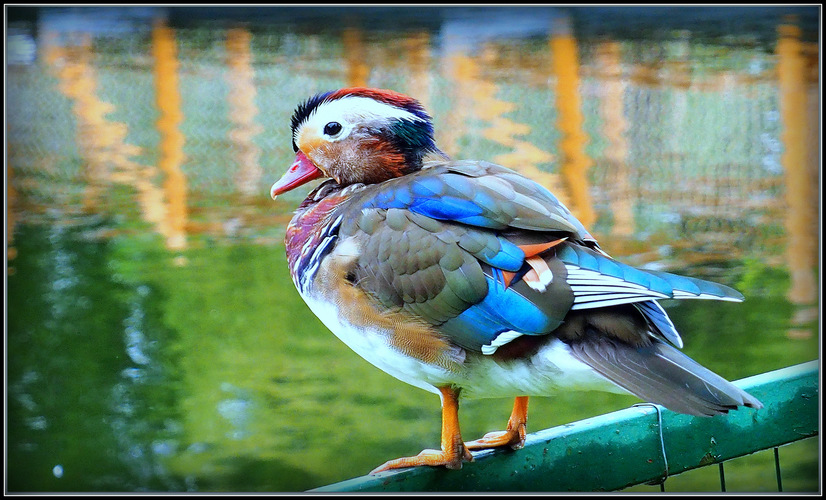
(683, 139)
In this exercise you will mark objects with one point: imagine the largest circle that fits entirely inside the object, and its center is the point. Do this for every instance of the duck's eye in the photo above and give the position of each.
(332, 128)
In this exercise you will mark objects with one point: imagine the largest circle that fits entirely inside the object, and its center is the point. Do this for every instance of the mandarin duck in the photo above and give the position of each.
(467, 278)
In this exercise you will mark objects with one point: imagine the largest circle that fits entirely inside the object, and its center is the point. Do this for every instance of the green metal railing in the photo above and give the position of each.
(642, 444)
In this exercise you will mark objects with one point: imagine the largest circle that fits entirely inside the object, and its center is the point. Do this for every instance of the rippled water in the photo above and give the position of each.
(155, 340)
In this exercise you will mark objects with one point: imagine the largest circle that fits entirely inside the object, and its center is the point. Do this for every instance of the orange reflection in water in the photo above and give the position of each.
(357, 69)
(101, 142)
(474, 85)
(417, 49)
(801, 172)
(242, 111)
(479, 95)
(168, 100)
(574, 161)
(457, 71)
(612, 88)
(525, 156)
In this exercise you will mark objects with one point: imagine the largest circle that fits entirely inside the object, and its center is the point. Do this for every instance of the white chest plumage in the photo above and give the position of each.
(371, 344)
(548, 371)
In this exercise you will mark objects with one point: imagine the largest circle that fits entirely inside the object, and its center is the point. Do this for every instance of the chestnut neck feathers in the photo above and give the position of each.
(363, 135)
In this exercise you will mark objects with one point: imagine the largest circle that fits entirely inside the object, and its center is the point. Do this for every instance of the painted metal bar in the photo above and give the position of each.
(623, 448)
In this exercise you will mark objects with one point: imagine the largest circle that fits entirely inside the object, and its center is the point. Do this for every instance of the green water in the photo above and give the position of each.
(133, 368)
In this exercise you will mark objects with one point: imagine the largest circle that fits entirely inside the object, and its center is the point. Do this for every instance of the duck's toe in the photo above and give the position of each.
(513, 437)
(515, 434)
(428, 457)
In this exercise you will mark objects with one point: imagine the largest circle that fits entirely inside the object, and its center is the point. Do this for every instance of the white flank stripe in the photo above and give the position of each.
(500, 340)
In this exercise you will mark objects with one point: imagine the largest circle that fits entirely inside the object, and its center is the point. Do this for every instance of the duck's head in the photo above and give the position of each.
(357, 135)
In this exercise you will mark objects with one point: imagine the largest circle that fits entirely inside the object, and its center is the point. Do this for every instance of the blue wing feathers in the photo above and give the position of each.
(501, 310)
(473, 328)
(509, 258)
(660, 320)
(428, 187)
(670, 285)
(592, 261)
(514, 311)
(480, 204)
(699, 288)
(446, 208)
(459, 183)
(484, 201)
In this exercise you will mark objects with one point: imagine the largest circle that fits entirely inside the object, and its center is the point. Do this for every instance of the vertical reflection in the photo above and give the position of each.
(102, 142)
(357, 68)
(417, 48)
(78, 81)
(525, 156)
(615, 125)
(800, 196)
(242, 110)
(574, 162)
(460, 70)
(172, 140)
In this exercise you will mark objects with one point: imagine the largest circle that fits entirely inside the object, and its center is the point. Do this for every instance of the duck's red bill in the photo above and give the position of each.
(300, 172)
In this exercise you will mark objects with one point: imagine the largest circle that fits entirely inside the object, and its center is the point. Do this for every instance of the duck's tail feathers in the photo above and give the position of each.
(659, 373)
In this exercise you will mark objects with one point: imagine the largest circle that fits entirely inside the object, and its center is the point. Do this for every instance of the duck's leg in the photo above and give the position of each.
(514, 436)
(453, 451)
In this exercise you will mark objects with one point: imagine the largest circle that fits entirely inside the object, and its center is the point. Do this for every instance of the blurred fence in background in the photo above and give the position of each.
(711, 144)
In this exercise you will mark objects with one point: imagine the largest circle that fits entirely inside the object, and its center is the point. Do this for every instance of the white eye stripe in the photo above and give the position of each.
(362, 107)
(352, 110)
